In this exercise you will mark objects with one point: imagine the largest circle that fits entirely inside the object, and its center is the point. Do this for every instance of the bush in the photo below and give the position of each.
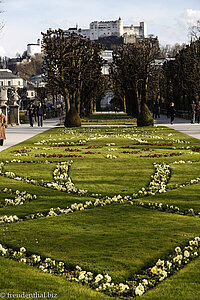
(145, 118)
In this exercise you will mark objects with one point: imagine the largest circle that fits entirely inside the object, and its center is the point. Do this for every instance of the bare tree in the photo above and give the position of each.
(130, 75)
(2, 24)
(72, 65)
(194, 31)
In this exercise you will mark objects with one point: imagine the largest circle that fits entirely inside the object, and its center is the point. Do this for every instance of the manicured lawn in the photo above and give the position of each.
(183, 285)
(117, 239)
(17, 278)
(185, 198)
(184, 172)
(111, 119)
(108, 178)
(46, 198)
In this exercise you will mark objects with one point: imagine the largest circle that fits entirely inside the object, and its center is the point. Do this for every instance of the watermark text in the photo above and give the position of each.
(24, 295)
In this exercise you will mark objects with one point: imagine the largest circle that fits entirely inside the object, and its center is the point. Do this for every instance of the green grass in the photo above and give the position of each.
(184, 285)
(184, 173)
(109, 119)
(35, 171)
(46, 198)
(111, 178)
(17, 278)
(185, 198)
(116, 239)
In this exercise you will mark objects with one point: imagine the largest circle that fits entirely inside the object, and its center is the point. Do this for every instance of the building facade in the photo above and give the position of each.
(33, 49)
(8, 79)
(102, 29)
(107, 56)
(84, 32)
(99, 29)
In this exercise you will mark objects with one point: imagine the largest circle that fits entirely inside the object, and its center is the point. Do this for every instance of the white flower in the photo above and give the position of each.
(177, 249)
(123, 287)
(186, 253)
(22, 249)
(108, 278)
(82, 275)
(98, 278)
(145, 282)
(154, 270)
(139, 290)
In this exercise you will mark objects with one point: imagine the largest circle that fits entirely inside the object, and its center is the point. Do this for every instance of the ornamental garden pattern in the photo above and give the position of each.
(84, 142)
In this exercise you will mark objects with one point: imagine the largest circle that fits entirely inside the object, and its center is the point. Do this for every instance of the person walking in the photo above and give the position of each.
(3, 124)
(172, 112)
(193, 111)
(167, 108)
(40, 114)
(31, 112)
(198, 112)
(155, 110)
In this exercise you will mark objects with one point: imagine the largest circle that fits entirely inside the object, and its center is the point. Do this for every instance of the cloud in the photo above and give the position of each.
(192, 16)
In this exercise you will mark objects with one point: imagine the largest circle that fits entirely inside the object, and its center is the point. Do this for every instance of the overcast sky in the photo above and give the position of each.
(24, 20)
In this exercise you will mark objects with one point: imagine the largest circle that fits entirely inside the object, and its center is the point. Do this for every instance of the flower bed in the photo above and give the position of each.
(140, 283)
(137, 286)
(131, 152)
(60, 174)
(67, 145)
(20, 198)
(196, 149)
(71, 150)
(57, 155)
(153, 144)
(20, 151)
(90, 152)
(163, 155)
(93, 147)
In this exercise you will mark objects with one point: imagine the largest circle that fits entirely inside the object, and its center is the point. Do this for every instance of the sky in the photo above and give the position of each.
(24, 20)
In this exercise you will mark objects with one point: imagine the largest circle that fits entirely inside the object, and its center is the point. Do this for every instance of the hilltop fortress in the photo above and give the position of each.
(106, 29)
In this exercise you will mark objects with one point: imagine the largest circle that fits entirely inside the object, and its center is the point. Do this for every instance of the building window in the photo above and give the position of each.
(32, 94)
(9, 83)
(1, 83)
(19, 83)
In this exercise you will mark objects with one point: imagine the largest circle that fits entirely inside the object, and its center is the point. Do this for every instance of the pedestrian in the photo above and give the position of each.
(3, 124)
(31, 112)
(155, 110)
(167, 108)
(158, 110)
(40, 114)
(193, 111)
(172, 112)
(198, 112)
(35, 112)
(44, 111)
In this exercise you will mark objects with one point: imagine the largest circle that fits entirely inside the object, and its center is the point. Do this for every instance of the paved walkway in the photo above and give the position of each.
(181, 125)
(18, 134)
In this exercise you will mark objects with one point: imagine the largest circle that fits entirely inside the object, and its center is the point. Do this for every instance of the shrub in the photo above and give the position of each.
(145, 118)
